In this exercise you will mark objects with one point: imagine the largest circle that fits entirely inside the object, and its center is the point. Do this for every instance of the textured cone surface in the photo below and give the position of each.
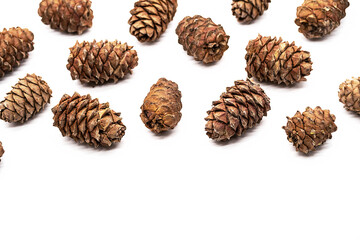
(150, 18)
(15, 44)
(86, 120)
(99, 62)
(317, 18)
(310, 129)
(240, 108)
(72, 16)
(2, 151)
(248, 10)
(161, 109)
(273, 60)
(28, 97)
(202, 38)
(349, 94)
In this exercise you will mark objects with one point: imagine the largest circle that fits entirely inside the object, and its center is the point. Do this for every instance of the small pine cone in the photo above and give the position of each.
(240, 108)
(317, 18)
(202, 38)
(248, 10)
(310, 129)
(269, 59)
(15, 44)
(28, 97)
(100, 62)
(72, 16)
(349, 94)
(162, 106)
(150, 18)
(2, 151)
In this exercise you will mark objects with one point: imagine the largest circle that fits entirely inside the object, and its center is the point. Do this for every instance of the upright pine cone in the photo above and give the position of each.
(317, 18)
(349, 94)
(150, 18)
(269, 59)
(202, 38)
(310, 129)
(240, 108)
(72, 16)
(162, 106)
(28, 97)
(99, 62)
(15, 44)
(2, 151)
(86, 120)
(248, 10)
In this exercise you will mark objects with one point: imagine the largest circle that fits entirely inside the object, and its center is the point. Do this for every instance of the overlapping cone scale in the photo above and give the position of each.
(349, 94)
(247, 11)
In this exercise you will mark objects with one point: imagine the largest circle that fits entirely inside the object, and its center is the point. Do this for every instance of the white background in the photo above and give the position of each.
(182, 185)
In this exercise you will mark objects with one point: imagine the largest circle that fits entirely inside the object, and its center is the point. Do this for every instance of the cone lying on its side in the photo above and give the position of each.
(100, 62)
(15, 44)
(310, 129)
(317, 18)
(349, 94)
(86, 120)
(28, 97)
(2, 151)
(202, 38)
(269, 59)
(247, 11)
(72, 16)
(240, 108)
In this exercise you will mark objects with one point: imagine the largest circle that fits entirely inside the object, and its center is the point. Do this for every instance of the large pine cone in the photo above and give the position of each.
(2, 151)
(99, 62)
(248, 10)
(202, 38)
(150, 18)
(28, 97)
(72, 16)
(240, 108)
(162, 106)
(86, 120)
(317, 18)
(310, 129)
(15, 44)
(269, 59)
(349, 94)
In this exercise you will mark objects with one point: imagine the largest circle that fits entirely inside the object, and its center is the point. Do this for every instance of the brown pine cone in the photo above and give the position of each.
(28, 97)
(2, 151)
(349, 94)
(248, 10)
(86, 120)
(72, 16)
(150, 18)
(100, 62)
(317, 18)
(15, 44)
(269, 59)
(202, 38)
(162, 106)
(240, 108)
(310, 129)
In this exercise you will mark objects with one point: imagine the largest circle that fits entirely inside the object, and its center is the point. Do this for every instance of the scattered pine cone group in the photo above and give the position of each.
(247, 11)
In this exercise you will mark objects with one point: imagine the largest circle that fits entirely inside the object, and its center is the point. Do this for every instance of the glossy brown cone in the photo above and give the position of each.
(247, 11)
(349, 94)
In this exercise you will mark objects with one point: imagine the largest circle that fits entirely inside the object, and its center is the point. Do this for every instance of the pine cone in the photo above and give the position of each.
(99, 62)
(310, 129)
(72, 16)
(28, 97)
(162, 106)
(248, 10)
(349, 94)
(2, 151)
(202, 38)
(240, 108)
(15, 44)
(150, 18)
(269, 59)
(86, 120)
(317, 18)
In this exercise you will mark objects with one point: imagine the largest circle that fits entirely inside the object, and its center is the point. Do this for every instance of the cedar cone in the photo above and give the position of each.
(317, 18)
(15, 44)
(99, 62)
(240, 108)
(202, 38)
(349, 94)
(150, 18)
(2, 151)
(162, 105)
(248, 10)
(269, 59)
(310, 129)
(28, 97)
(72, 16)
(86, 120)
